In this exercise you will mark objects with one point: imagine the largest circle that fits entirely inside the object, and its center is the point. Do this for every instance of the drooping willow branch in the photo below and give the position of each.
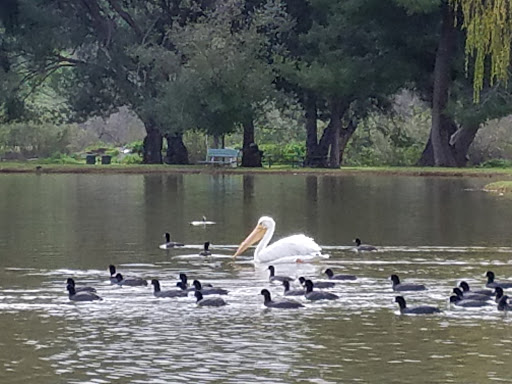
(488, 25)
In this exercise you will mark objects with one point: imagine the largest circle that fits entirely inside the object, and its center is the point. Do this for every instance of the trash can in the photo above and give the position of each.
(105, 159)
(90, 159)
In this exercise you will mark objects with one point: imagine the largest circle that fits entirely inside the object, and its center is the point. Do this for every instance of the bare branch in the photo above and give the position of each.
(126, 17)
(102, 24)
(70, 60)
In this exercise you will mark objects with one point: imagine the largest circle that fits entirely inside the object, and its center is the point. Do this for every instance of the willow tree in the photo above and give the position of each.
(488, 26)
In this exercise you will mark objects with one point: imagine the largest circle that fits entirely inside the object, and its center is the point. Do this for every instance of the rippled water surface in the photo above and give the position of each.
(434, 231)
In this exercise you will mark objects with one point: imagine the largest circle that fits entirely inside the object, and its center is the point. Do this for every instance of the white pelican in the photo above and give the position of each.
(292, 249)
(202, 222)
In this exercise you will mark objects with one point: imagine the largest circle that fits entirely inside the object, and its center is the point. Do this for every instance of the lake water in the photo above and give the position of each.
(434, 231)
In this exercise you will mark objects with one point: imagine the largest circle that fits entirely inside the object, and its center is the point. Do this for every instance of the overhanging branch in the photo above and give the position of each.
(126, 17)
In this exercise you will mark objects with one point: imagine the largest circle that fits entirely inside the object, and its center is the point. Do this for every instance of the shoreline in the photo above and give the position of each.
(40, 168)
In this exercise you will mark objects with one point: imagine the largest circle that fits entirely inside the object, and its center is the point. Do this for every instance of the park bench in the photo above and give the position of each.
(222, 156)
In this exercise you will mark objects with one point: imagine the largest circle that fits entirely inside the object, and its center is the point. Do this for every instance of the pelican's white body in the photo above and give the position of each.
(291, 249)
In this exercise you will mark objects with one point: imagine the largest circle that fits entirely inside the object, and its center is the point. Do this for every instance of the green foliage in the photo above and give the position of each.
(493, 141)
(275, 125)
(355, 49)
(209, 67)
(114, 152)
(61, 158)
(499, 187)
(226, 78)
(131, 158)
(496, 163)
(196, 144)
(289, 153)
(136, 147)
(488, 26)
(419, 6)
(35, 139)
(396, 140)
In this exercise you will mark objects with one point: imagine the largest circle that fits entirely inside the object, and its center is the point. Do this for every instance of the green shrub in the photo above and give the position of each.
(61, 158)
(136, 147)
(196, 145)
(35, 139)
(131, 158)
(496, 163)
(114, 152)
(283, 154)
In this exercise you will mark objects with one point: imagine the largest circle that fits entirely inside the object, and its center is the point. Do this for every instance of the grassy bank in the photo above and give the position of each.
(34, 167)
(499, 187)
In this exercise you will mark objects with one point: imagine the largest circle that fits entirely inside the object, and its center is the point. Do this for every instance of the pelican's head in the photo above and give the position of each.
(264, 224)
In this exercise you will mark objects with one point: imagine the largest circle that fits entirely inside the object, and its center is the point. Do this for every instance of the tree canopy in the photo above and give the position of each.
(216, 67)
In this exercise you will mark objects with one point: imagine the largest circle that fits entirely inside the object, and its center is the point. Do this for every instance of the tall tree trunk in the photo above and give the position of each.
(251, 155)
(177, 153)
(346, 134)
(336, 115)
(427, 156)
(440, 135)
(216, 141)
(462, 140)
(322, 150)
(313, 158)
(459, 141)
(152, 144)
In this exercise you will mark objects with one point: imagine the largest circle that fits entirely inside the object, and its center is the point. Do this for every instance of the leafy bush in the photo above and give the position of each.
(131, 158)
(114, 152)
(492, 141)
(496, 163)
(196, 145)
(35, 139)
(283, 154)
(61, 158)
(395, 140)
(136, 147)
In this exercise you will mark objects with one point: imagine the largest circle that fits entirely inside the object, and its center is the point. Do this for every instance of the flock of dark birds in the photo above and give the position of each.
(463, 295)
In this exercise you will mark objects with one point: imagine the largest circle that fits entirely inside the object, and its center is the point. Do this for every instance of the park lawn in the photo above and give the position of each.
(35, 167)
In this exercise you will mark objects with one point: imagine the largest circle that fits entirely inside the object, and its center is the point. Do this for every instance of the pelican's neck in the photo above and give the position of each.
(265, 240)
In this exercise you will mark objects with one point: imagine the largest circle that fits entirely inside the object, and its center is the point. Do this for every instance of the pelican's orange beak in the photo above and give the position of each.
(254, 237)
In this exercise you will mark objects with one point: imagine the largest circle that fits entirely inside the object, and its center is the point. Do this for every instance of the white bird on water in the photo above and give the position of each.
(202, 222)
(291, 249)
